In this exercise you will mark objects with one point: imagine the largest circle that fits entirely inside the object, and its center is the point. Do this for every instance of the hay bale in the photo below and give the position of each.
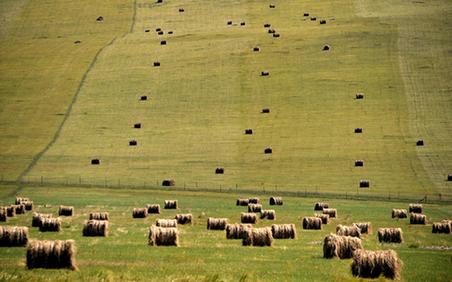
(358, 130)
(65, 211)
(100, 19)
(181, 10)
(265, 73)
(268, 214)
(133, 143)
(254, 207)
(442, 227)
(95, 228)
(284, 231)
(147, 30)
(242, 23)
(267, 25)
(306, 14)
(415, 208)
(168, 182)
(390, 235)
(184, 218)
(359, 96)
(163, 42)
(359, 163)
(237, 231)
(229, 23)
(420, 142)
(160, 33)
(364, 227)
(19, 209)
(276, 35)
(319, 206)
(256, 49)
(417, 218)
(268, 150)
(156, 64)
(449, 177)
(313, 18)
(364, 183)
(265, 110)
(242, 202)
(137, 125)
(159, 1)
(10, 211)
(36, 219)
(399, 213)
(77, 42)
(341, 247)
(246, 217)
(50, 224)
(13, 236)
(276, 201)
(143, 98)
(312, 223)
(326, 48)
(322, 21)
(159, 236)
(139, 212)
(254, 200)
(372, 264)
(271, 6)
(216, 223)
(248, 131)
(51, 254)
(271, 31)
(3, 214)
(258, 237)
(153, 208)
(331, 212)
(166, 223)
(352, 231)
(219, 170)
(170, 204)
(99, 216)
(324, 217)
(21, 200)
(95, 162)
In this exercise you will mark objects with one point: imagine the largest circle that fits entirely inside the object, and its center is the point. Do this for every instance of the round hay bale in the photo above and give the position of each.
(268, 150)
(246, 217)
(265, 73)
(49, 224)
(449, 177)
(359, 96)
(322, 21)
(254, 200)
(181, 10)
(51, 254)
(242, 24)
(229, 23)
(242, 202)
(99, 216)
(219, 170)
(313, 18)
(390, 235)
(258, 237)
(372, 264)
(133, 142)
(364, 227)
(77, 42)
(21, 200)
(331, 212)
(10, 211)
(237, 231)
(265, 110)
(352, 231)
(159, 1)
(163, 42)
(158, 29)
(13, 236)
(417, 218)
(359, 163)
(95, 228)
(147, 30)
(306, 14)
(415, 208)
(100, 19)
(143, 98)
(363, 183)
(153, 208)
(19, 209)
(319, 206)
(442, 227)
(254, 207)
(95, 162)
(66, 211)
(170, 32)
(313, 223)
(171, 204)
(168, 182)
(271, 31)
(420, 142)
(326, 48)
(166, 223)
(184, 218)
(160, 33)
(276, 35)
(3, 214)
(268, 214)
(276, 201)
(284, 231)
(399, 213)
(341, 247)
(159, 236)
(216, 223)
(358, 130)
(324, 217)
(271, 6)
(156, 64)
(248, 131)
(139, 213)
(267, 25)
(36, 219)
(256, 49)
(137, 125)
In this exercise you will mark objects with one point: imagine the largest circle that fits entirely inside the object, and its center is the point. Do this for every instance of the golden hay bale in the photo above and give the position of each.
(324, 217)
(237, 231)
(372, 264)
(320, 206)
(66, 211)
(170, 204)
(284, 231)
(340, 246)
(184, 218)
(312, 223)
(153, 208)
(3, 214)
(49, 224)
(442, 227)
(364, 227)
(254, 200)
(159, 236)
(166, 223)
(276, 201)
(417, 218)
(390, 235)
(254, 207)
(258, 237)
(330, 212)
(21, 200)
(10, 211)
(20, 208)
(13, 236)
(352, 231)
(139, 212)
(28, 205)
(51, 254)
(246, 217)
(99, 216)
(94, 227)
(399, 213)
(242, 202)
(415, 208)
(216, 223)
(268, 214)
(36, 219)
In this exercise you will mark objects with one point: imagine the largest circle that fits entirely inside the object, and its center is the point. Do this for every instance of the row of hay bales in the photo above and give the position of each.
(416, 217)
(273, 201)
(20, 206)
(153, 209)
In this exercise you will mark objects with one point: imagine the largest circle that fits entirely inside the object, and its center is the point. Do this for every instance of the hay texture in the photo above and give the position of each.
(331, 212)
(445, 226)
(417, 218)
(341, 247)
(13, 236)
(51, 254)
(99, 216)
(254, 207)
(49, 224)
(159, 236)
(166, 223)
(184, 218)
(254, 200)
(364, 227)
(237, 231)
(284, 231)
(216, 223)
(258, 237)
(36, 219)
(372, 264)
(399, 213)
(268, 214)
(352, 231)
(415, 208)
(247, 217)
(170, 204)
(66, 211)
(324, 217)
(95, 228)
(242, 202)
(390, 235)
(153, 208)
(139, 212)
(276, 201)
(312, 222)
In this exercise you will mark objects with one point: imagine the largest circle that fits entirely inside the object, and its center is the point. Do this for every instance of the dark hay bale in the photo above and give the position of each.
(159, 236)
(3, 215)
(284, 231)
(322, 21)
(449, 177)
(156, 64)
(49, 224)
(258, 237)
(358, 130)
(320, 206)
(359, 96)
(442, 227)
(21, 200)
(265, 110)
(170, 32)
(51, 254)
(137, 125)
(331, 212)
(229, 23)
(242, 23)
(271, 6)
(420, 142)
(20, 209)
(159, 1)
(276, 201)
(256, 49)
(95, 162)
(313, 18)
(133, 142)
(248, 131)
(359, 163)
(276, 35)
(326, 48)
(77, 42)
(160, 33)
(341, 247)
(147, 30)
(168, 182)
(242, 202)
(237, 231)
(216, 223)
(312, 223)
(163, 42)
(139, 213)
(158, 29)
(99, 216)
(372, 264)
(65, 211)
(265, 73)
(417, 218)
(390, 235)
(306, 14)
(36, 219)
(268, 214)
(352, 231)
(143, 98)
(268, 150)
(246, 217)
(13, 236)
(364, 227)
(271, 31)
(28, 205)
(415, 208)
(399, 213)
(267, 25)
(10, 211)
(254, 207)
(100, 19)
(181, 10)
(166, 223)
(363, 183)
(219, 170)
(324, 217)
(184, 218)
(254, 200)
(153, 208)
(95, 228)
(171, 204)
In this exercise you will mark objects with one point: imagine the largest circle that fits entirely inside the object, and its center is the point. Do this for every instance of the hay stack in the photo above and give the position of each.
(10, 211)
(237, 231)
(358, 130)
(19, 209)
(21, 200)
(50, 224)
(170, 204)
(219, 170)
(284, 231)
(442, 227)
(99, 216)
(415, 208)
(3, 214)
(168, 182)
(364, 227)
(254, 207)
(13, 236)
(320, 206)
(399, 213)
(420, 142)
(359, 96)
(66, 211)
(242, 202)
(216, 223)
(36, 220)
(268, 214)
(153, 208)
(416, 218)
(276, 201)
(331, 212)
(184, 218)
(324, 217)
(342, 247)
(139, 213)
(28, 205)
(95, 228)
(312, 223)
(364, 183)
(254, 200)
(390, 235)
(372, 264)
(95, 162)
(258, 237)
(352, 231)
(51, 254)
(166, 223)
(246, 217)
(265, 111)
(159, 236)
